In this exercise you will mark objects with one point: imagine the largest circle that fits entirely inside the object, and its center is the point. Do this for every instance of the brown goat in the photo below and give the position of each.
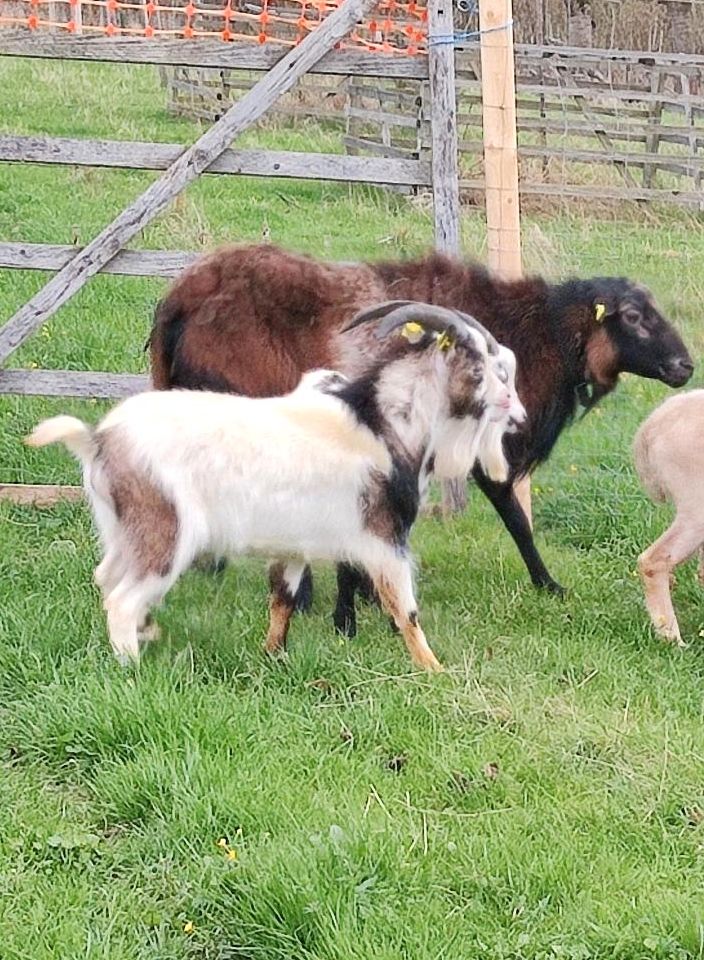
(252, 319)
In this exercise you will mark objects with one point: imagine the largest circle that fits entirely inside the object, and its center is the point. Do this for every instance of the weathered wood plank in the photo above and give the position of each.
(128, 263)
(601, 192)
(394, 151)
(445, 167)
(602, 55)
(253, 163)
(443, 122)
(674, 100)
(202, 53)
(39, 495)
(72, 383)
(186, 169)
(382, 116)
(500, 145)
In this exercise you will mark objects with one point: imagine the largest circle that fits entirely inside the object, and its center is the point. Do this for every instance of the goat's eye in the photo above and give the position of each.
(502, 374)
(634, 321)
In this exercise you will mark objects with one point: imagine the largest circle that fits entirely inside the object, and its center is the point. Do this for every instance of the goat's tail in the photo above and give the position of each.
(647, 470)
(70, 431)
(163, 340)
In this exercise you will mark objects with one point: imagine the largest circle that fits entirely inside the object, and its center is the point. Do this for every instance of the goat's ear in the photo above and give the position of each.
(445, 341)
(605, 306)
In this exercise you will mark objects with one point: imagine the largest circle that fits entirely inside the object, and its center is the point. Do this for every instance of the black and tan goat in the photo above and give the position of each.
(252, 319)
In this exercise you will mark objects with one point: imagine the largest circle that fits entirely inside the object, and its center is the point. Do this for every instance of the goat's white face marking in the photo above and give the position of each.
(505, 402)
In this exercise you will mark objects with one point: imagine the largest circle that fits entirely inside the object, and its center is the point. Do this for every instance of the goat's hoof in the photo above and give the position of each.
(150, 632)
(431, 664)
(127, 660)
(275, 651)
(345, 624)
(303, 604)
(207, 563)
(552, 586)
(675, 640)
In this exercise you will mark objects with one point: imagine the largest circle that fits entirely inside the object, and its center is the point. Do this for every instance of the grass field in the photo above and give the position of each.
(542, 799)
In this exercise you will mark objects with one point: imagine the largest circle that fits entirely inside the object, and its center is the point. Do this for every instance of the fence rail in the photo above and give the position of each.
(608, 124)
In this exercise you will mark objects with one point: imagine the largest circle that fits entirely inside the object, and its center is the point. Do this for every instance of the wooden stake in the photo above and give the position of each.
(187, 168)
(445, 172)
(501, 156)
(500, 145)
(443, 124)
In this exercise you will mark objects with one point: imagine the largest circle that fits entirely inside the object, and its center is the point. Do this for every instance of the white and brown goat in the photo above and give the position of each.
(332, 471)
(668, 451)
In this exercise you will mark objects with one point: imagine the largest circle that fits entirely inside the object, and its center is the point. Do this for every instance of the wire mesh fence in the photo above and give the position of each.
(397, 27)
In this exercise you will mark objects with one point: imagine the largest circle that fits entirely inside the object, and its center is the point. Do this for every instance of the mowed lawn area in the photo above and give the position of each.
(544, 798)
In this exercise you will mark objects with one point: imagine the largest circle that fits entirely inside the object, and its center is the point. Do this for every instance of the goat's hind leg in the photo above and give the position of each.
(127, 609)
(304, 594)
(351, 582)
(655, 566)
(393, 582)
(700, 567)
(284, 581)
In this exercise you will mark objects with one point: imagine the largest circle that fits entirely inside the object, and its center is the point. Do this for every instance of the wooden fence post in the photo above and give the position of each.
(443, 123)
(187, 168)
(444, 165)
(501, 155)
(500, 140)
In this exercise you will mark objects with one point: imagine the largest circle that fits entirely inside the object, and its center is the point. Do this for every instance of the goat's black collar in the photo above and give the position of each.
(588, 395)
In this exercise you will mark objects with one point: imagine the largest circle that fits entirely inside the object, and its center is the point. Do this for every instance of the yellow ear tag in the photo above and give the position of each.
(412, 331)
(599, 312)
(444, 341)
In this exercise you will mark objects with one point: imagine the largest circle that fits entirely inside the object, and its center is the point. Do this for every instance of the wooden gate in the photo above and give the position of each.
(211, 154)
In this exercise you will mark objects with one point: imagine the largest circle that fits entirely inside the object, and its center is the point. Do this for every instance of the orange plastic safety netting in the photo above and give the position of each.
(398, 26)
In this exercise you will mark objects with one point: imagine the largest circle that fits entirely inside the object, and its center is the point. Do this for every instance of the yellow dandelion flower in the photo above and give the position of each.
(188, 926)
(573, 468)
(231, 854)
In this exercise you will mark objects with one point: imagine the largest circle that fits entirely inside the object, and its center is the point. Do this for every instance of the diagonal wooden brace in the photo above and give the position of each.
(187, 168)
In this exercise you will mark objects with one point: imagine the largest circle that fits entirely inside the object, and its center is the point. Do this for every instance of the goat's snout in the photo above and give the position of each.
(676, 372)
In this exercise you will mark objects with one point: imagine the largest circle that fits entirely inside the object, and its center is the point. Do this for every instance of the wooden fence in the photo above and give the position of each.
(612, 125)
(210, 154)
(595, 124)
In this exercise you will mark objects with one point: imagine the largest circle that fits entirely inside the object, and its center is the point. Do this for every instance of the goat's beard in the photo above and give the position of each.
(455, 448)
(461, 443)
(490, 452)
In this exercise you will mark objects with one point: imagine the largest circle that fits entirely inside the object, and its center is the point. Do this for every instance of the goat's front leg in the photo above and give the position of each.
(284, 581)
(504, 500)
(655, 566)
(394, 584)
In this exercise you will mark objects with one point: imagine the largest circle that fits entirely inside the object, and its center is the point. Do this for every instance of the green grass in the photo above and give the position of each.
(542, 799)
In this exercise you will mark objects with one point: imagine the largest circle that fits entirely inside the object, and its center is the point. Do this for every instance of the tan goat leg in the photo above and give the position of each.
(655, 566)
(521, 490)
(284, 580)
(395, 589)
